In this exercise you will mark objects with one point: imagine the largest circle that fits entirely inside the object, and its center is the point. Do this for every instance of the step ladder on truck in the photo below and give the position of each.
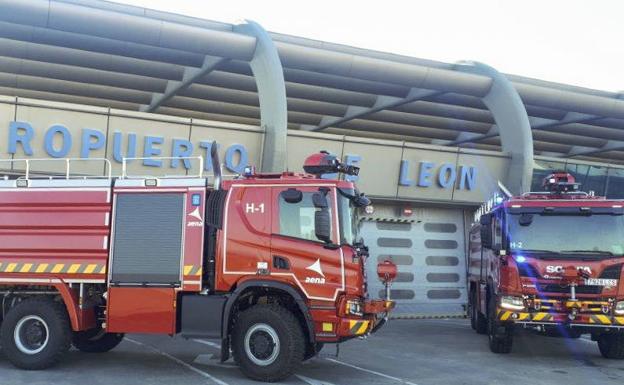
(269, 263)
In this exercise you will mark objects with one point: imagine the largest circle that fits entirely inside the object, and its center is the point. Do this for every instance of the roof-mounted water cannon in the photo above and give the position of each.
(560, 182)
(326, 163)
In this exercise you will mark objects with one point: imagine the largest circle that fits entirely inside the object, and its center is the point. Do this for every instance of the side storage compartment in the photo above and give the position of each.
(147, 238)
(141, 310)
(155, 253)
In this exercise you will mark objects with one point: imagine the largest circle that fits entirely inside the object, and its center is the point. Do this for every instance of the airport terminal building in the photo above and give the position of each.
(95, 80)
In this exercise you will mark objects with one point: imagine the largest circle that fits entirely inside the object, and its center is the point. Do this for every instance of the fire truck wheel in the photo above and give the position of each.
(611, 345)
(36, 333)
(96, 341)
(500, 336)
(268, 343)
(477, 320)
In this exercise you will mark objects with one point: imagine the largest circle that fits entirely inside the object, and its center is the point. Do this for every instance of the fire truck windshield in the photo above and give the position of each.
(579, 236)
(348, 217)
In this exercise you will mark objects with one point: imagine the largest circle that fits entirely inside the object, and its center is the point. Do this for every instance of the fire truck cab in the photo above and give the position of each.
(551, 261)
(270, 264)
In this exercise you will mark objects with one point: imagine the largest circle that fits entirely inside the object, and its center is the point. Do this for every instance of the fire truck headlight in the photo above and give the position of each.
(619, 308)
(354, 307)
(512, 303)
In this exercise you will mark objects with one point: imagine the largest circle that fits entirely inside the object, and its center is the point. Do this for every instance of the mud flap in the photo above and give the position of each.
(225, 349)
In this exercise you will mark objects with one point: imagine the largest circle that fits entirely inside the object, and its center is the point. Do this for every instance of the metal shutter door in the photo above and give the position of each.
(430, 254)
(147, 239)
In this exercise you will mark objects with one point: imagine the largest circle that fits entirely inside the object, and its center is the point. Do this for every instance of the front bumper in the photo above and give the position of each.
(338, 329)
(561, 318)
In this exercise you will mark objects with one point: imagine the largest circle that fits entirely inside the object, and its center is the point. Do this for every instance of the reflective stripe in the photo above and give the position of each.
(26, 268)
(62, 268)
(10, 267)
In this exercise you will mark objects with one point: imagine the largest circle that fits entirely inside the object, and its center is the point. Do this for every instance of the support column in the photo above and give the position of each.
(512, 121)
(269, 75)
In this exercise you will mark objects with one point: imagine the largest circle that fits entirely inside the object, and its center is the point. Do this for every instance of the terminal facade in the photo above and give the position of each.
(432, 139)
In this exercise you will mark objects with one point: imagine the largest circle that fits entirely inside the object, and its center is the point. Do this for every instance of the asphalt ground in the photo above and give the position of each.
(412, 352)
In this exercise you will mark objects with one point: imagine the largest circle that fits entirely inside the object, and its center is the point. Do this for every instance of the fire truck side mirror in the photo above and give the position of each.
(486, 231)
(322, 225)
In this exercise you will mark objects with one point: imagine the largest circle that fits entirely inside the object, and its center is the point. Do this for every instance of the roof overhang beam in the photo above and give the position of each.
(536, 124)
(190, 76)
(382, 102)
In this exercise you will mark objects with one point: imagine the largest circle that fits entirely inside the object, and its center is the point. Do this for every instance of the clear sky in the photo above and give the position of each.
(577, 42)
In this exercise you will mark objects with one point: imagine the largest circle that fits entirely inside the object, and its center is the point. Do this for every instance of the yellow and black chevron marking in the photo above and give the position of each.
(618, 321)
(506, 315)
(599, 319)
(192, 270)
(358, 327)
(52, 268)
(541, 316)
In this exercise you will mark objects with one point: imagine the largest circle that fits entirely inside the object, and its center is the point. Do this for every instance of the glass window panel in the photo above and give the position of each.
(615, 186)
(591, 178)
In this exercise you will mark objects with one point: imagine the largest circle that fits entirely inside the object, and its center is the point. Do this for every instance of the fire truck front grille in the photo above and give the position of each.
(555, 288)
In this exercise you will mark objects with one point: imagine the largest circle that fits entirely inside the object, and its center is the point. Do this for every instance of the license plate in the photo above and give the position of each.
(601, 282)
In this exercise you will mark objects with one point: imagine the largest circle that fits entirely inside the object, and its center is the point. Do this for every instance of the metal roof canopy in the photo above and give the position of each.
(97, 52)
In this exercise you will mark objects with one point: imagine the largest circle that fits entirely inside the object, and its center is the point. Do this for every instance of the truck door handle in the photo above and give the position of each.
(280, 263)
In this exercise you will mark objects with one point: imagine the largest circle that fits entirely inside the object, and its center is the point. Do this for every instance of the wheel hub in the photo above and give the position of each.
(262, 344)
(31, 334)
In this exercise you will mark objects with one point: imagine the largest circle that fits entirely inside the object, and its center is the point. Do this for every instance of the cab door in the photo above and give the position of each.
(315, 266)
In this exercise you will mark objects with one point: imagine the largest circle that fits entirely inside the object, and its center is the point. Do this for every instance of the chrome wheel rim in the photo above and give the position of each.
(262, 344)
(31, 334)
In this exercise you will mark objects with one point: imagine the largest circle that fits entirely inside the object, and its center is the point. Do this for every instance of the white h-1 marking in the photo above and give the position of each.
(252, 208)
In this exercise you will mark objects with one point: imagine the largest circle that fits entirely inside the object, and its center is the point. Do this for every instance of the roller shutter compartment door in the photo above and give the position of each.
(147, 239)
(430, 256)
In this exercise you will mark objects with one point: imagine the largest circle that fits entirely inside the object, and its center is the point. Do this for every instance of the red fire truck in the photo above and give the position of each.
(271, 264)
(550, 261)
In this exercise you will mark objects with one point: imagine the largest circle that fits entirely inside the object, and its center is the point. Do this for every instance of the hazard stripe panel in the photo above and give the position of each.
(506, 315)
(52, 268)
(192, 270)
(599, 319)
(358, 327)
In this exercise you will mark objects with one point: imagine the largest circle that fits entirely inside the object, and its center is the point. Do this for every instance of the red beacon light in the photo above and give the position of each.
(326, 163)
(560, 182)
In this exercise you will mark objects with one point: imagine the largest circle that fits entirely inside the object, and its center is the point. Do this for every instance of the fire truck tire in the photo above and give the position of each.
(611, 345)
(477, 320)
(268, 343)
(96, 341)
(36, 333)
(500, 336)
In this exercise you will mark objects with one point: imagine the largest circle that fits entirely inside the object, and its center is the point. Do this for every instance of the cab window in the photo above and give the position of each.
(297, 219)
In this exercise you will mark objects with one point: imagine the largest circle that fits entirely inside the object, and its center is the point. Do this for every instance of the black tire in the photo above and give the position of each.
(500, 336)
(256, 334)
(36, 334)
(477, 321)
(611, 345)
(96, 341)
